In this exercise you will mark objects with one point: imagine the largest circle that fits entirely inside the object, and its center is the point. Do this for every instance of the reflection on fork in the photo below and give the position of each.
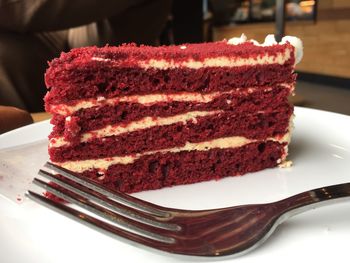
(215, 232)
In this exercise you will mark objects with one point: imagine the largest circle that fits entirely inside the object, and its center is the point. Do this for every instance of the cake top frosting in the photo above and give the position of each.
(233, 49)
(270, 40)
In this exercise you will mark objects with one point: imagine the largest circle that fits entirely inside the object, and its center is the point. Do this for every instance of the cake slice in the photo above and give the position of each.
(138, 117)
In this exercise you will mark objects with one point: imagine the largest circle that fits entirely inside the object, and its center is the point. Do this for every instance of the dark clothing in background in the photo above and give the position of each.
(35, 31)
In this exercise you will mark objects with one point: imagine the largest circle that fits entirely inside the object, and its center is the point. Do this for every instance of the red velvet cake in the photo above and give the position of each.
(137, 117)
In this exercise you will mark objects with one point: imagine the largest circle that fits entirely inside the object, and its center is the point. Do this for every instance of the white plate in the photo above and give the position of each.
(320, 151)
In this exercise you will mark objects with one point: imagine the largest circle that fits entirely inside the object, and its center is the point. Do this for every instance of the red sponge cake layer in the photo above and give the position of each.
(114, 71)
(254, 127)
(138, 118)
(113, 112)
(163, 170)
(116, 82)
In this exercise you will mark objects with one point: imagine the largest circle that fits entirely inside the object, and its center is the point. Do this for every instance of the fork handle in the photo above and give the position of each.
(313, 198)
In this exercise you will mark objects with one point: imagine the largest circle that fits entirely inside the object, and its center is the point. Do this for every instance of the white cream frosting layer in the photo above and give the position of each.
(144, 123)
(149, 99)
(280, 58)
(221, 143)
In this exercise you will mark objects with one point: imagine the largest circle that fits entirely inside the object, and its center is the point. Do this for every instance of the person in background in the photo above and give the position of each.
(12, 118)
(33, 32)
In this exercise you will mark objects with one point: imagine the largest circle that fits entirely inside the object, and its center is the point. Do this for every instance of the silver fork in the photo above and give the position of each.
(216, 232)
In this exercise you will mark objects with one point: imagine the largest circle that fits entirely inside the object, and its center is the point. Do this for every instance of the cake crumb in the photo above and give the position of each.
(19, 198)
(286, 164)
(101, 175)
(100, 59)
(101, 98)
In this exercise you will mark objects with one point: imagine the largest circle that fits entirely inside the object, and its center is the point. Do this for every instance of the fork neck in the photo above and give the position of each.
(315, 196)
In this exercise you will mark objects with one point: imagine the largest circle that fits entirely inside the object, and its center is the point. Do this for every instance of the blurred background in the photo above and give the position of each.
(322, 25)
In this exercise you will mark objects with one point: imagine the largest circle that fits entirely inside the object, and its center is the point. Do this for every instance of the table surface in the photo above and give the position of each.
(40, 116)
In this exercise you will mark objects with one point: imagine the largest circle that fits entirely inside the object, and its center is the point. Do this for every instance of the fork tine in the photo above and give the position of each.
(120, 220)
(106, 202)
(97, 224)
(121, 197)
